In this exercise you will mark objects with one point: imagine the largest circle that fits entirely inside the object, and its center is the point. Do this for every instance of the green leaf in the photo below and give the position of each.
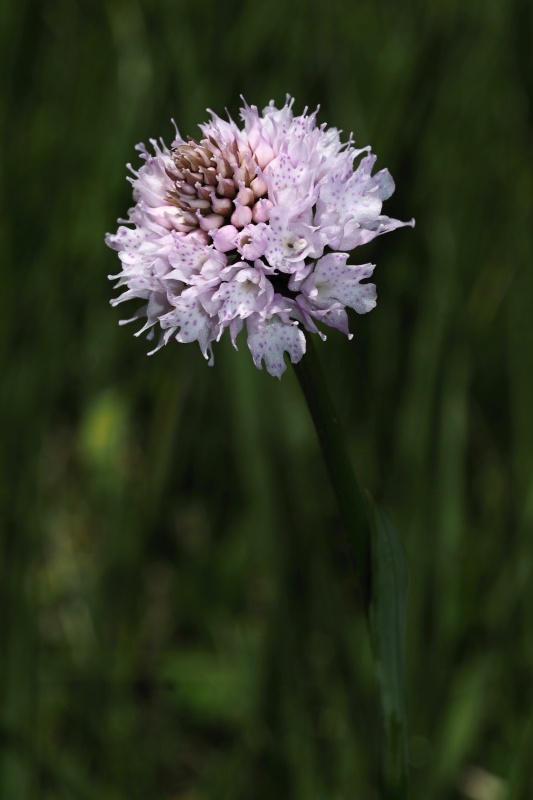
(387, 631)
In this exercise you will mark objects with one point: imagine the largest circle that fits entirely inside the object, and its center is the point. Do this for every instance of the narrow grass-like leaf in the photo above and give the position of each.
(387, 631)
(520, 781)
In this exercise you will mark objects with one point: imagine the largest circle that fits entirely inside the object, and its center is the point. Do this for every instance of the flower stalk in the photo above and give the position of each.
(380, 573)
(332, 441)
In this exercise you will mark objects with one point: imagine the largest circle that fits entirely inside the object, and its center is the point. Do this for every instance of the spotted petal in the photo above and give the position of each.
(189, 322)
(270, 340)
(334, 279)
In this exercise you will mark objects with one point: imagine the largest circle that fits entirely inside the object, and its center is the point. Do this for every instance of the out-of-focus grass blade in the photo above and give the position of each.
(464, 719)
(387, 630)
(60, 769)
(520, 780)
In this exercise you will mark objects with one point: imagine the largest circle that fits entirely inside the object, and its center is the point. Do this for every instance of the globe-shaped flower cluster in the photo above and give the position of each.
(250, 228)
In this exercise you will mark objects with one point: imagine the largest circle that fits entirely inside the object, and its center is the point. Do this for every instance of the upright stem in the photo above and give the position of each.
(333, 445)
(380, 570)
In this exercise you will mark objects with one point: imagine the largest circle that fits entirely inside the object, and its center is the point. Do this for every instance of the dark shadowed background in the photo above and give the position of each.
(175, 620)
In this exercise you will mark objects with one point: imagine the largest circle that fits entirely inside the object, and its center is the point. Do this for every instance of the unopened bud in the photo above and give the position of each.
(261, 211)
(259, 187)
(241, 216)
(263, 154)
(245, 196)
(226, 187)
(221, 205)
(225, 238)
(210, 221)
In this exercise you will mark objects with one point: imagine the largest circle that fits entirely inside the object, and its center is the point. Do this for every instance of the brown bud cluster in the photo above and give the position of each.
(215, 186)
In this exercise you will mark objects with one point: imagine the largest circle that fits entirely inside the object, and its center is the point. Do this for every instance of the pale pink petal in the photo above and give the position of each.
(333, 279)
(268, 342)
(189, 322)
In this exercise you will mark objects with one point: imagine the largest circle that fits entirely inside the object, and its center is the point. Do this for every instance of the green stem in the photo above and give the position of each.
(380, 570)
(333, 445)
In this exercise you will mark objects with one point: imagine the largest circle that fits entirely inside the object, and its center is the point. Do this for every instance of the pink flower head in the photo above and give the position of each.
(248, 228)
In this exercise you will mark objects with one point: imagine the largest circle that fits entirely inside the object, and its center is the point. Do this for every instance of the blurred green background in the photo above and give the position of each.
(175, 618)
